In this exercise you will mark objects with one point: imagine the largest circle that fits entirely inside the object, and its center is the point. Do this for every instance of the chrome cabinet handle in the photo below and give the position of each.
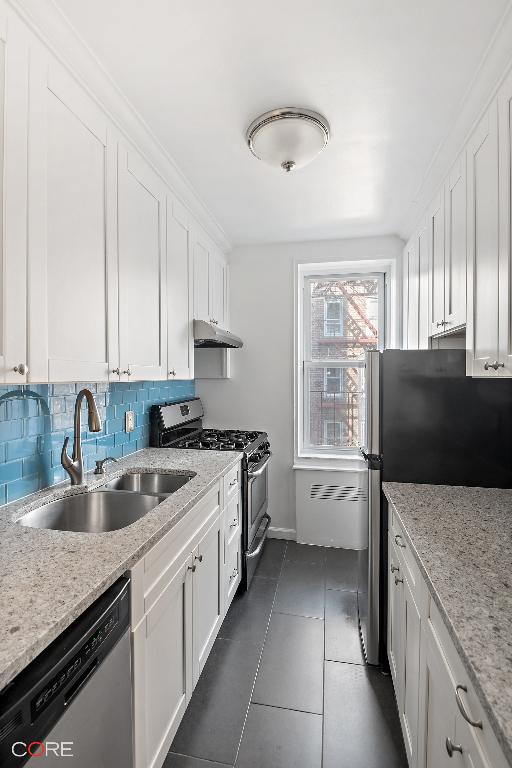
(398, 581)
(494, 365)
(127, 372)
(116, 371)
(451, 747)
(199, 558)
(394, 568)
(234, 523)
(21, 368)
(462, 709)
(172, 373)
(234, 574)
(398, 543)
(233, 482)
(192, 568)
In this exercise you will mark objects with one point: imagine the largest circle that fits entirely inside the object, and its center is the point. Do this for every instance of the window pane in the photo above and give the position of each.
(344, 317)
(334, 410)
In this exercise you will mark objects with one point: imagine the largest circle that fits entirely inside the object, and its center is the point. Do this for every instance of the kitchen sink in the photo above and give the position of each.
(159, 483)
(95, 512)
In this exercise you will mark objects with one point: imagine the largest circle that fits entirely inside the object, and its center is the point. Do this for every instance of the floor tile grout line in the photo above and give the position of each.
(286, 709)
(200, 759)
(260, 657)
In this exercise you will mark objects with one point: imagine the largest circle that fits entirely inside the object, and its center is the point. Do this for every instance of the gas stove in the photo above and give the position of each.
(180, 425)
(220, 440)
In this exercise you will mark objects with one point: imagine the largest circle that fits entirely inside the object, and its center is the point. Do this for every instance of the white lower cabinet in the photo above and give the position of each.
(208, 593)
(179, 598)
(432, 687)
(162, 654)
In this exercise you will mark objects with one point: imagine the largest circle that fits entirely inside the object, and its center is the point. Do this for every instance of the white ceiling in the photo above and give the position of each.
(389, 76)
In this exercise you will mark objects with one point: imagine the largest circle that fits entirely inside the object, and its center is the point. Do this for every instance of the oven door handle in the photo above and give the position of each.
(261, 470)
(255, 553)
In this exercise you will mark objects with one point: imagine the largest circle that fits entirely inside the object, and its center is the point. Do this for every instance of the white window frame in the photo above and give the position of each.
(386, 271)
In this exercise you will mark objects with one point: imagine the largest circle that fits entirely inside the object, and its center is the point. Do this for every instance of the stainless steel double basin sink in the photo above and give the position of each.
(115, 505)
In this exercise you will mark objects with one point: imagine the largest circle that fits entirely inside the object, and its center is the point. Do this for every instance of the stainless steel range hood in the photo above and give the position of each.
(208, 335)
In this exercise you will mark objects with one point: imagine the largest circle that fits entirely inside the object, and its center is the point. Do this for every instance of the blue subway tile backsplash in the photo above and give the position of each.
(35, 419)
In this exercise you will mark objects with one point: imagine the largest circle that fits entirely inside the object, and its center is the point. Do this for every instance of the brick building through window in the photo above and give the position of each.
(343, 318)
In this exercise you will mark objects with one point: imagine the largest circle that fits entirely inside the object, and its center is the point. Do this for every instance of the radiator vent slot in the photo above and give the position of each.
(347, 493)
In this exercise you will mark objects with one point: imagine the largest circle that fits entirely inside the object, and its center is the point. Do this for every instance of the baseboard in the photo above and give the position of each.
(282, 533)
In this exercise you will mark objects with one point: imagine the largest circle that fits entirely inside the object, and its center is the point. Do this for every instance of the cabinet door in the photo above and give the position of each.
(472, 756)
(413, 297)
(13, 191)
(217, 289)
(482, 242)
(394, 637)
(405, 296)
(411, 626)
(437, 707)
(162, 646)
(505, 203)
(180, 339)
(435, 223)
(424, 319)
(455, 246)
(201, 282)
(141, 244)
(71, 230)
(208, 593)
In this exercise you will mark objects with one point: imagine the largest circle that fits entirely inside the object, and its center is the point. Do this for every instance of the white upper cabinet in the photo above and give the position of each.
(423, 288)
(483, 247)
(210, 282)
(141, 247)
(180, 293)
(505, 219)
(405, 295)
(416, 291)
(217, 288)
(413, 296)
(435, 225)
(455, 246)
(71, 223)
(13, 214)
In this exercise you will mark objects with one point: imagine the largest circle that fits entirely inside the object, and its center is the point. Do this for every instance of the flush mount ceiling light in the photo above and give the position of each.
(288, 138)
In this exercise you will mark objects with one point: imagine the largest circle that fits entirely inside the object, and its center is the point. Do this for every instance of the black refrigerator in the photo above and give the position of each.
(426, 422)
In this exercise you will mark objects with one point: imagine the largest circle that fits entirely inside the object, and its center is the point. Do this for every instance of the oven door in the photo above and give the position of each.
(257, 497)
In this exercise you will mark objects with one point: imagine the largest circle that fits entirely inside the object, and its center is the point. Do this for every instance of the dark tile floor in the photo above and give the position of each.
(285, 685)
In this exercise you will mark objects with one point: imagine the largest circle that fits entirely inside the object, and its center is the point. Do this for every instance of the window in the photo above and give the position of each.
(341, 318)
(332, 432)
(332, 381)
(333, 317)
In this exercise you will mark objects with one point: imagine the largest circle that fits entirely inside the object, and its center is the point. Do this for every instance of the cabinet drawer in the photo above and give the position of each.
(232, 481)
(232, 569)
(483, 740)
(403, 549)
(160, 561)
(232, 518)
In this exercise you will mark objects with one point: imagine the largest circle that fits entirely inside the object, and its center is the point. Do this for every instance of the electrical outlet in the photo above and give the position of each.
(129, 421)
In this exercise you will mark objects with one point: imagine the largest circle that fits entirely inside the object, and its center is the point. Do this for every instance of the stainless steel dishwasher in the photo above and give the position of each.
(75, 698)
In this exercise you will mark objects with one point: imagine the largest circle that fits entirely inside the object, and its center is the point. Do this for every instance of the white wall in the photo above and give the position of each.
(259, 394)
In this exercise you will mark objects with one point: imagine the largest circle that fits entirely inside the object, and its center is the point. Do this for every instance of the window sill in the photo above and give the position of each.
(352, 462)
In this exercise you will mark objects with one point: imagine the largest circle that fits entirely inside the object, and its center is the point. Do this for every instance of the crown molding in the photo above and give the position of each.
(51, 26)
(494, 67)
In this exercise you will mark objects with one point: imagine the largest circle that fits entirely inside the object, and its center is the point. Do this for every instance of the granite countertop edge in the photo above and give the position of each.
(23, 651)
(503, 740)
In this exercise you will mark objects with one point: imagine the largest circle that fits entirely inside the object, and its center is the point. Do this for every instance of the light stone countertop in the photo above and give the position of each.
(48, 578)
(462, 541)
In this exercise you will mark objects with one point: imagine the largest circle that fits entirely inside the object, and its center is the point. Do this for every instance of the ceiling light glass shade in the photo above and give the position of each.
(288, 138)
